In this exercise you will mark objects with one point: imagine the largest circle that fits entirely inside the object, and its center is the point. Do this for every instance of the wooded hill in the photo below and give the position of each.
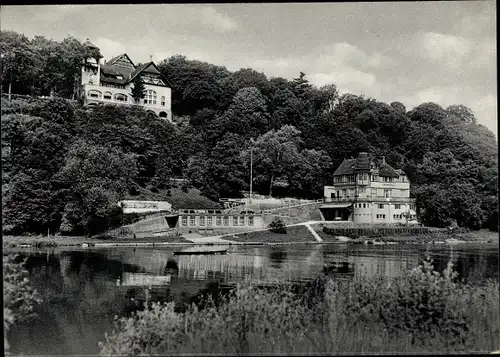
(65, 167)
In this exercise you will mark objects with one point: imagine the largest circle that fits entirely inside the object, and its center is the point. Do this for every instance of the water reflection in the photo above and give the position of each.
(84, 289)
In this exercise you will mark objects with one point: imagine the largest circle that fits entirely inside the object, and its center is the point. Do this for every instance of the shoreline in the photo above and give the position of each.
(82, 242)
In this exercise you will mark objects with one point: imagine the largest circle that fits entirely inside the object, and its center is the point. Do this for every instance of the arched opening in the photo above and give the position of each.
(151, 112)
(163, 115)
(120, 97)
(162, 101)
(107, 95)
(94, 93)
(92, 104)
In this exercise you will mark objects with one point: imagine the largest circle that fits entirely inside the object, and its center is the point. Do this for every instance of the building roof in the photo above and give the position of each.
(362, 164)
(345, 168)
(87, 43)
(117, 71)
(116, 58)
(113, 80)
(111, 70)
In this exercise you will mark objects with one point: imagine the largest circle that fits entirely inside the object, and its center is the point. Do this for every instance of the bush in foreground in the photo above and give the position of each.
(19, 298)
(421, 312)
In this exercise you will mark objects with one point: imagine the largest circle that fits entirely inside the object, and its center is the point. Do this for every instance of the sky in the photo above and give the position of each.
(411, 52)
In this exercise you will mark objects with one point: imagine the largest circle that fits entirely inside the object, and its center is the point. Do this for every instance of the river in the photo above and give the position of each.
(84, 289)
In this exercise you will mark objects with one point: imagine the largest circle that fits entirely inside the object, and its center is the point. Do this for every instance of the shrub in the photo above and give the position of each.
(277, 226)
(421, 312)
(19, 298)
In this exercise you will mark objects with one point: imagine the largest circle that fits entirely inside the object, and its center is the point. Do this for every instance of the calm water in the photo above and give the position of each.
(84, 289)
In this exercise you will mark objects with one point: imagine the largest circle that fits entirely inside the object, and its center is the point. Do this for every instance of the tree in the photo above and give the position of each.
(246, 116)
(138, 91)
(96, 178)
(275, 154)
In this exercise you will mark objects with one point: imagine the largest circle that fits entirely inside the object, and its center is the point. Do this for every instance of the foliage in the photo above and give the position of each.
(420, 312)
(138, 90)
(277, 226)
(296, 133)
(19, 298)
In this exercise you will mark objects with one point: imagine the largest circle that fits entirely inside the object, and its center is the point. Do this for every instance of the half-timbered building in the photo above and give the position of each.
(111, 82)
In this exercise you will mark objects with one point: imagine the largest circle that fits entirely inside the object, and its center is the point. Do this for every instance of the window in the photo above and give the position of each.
(381, 206)
(209, 221)
(202, 221)
(120, 97)
(387, 193)
(184, 221)
(226, 220)
(375, 178)
(380, 216)
(351, 178)
(107, 95)
(412, 207)
(364, 205)
(163, 100)
(150, 97)
(338, 179)
(235, 220)
(192, 221)
(218, 221)
(242, 221)
(94, 93)
(397, 206)
(250, 221)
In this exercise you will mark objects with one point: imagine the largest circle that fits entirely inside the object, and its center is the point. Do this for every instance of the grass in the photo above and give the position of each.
(417, 313)
(295, 234)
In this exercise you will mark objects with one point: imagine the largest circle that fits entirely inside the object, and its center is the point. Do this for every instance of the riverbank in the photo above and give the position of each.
(298, 234)
(78, 241)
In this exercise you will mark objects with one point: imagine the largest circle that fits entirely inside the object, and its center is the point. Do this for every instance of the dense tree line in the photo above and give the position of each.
(66, 166)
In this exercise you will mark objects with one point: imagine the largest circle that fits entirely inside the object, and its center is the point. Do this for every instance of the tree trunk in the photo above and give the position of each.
(271, 186)
(10, 90)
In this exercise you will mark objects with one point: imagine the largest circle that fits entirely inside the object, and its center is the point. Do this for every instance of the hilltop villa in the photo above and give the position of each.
(368, 190)
(111, 83)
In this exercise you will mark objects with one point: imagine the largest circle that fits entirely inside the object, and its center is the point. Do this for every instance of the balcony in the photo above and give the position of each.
(369, 199)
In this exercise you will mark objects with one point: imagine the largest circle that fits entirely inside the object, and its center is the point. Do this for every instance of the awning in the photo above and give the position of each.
(336, 205)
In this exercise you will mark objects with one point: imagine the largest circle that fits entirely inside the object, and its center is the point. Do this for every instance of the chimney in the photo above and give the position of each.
(151, 58)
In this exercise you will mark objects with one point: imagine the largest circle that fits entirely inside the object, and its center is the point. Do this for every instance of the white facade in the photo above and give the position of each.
(112, 83)
(369, 197)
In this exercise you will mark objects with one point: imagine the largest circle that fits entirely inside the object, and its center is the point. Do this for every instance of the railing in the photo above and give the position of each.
(369, 199)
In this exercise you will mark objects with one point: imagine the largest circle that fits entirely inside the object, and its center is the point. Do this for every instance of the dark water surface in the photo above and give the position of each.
(83, 289)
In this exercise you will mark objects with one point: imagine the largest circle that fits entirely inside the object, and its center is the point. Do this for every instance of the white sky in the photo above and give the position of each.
(412, 52)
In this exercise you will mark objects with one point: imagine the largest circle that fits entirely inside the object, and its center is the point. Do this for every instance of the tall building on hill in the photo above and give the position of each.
(368, 190)
(111, 82)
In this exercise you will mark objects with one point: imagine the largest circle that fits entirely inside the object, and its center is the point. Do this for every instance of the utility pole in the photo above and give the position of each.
(251, 173)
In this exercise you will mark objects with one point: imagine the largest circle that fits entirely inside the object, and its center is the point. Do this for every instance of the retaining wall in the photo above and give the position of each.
(376, 231)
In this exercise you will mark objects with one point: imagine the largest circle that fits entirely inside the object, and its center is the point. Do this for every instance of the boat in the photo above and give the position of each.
(200, 250)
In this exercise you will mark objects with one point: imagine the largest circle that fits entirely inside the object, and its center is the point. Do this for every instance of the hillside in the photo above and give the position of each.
(64, 167)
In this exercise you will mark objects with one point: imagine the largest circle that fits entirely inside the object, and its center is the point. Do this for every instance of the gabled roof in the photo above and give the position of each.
(144, 68)
(345, 168)
(113, 60)
(362, 164)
